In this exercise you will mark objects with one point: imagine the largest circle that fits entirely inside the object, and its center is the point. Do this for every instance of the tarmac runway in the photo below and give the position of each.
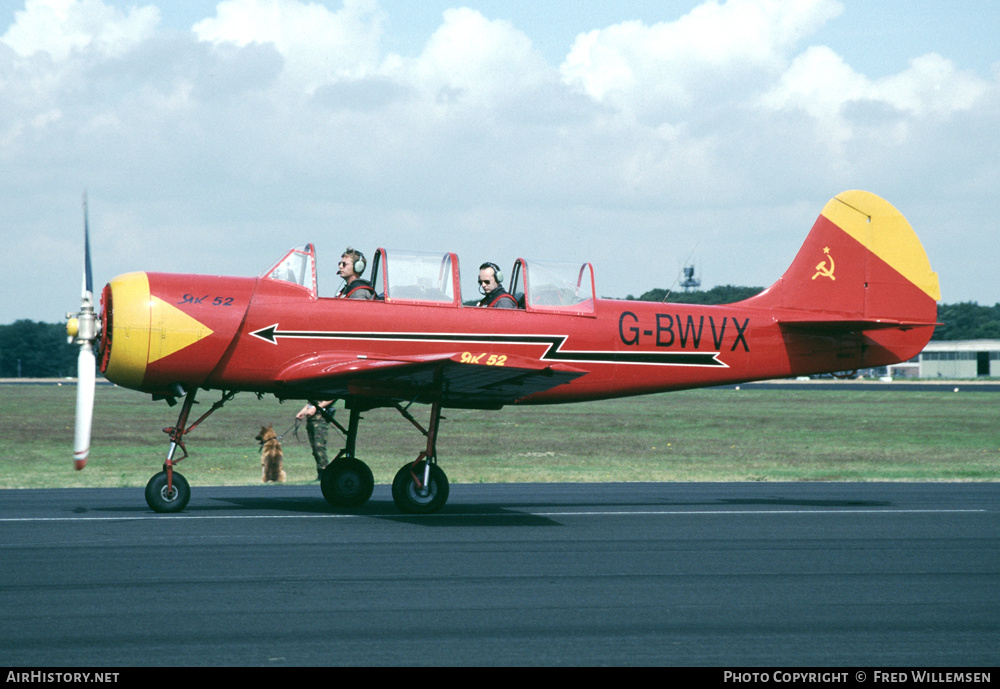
(776, 574)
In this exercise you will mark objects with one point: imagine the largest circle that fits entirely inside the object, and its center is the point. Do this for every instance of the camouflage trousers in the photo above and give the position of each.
(317, 427)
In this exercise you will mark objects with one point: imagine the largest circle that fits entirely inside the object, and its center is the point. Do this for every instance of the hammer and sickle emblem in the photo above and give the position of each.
(821, 269)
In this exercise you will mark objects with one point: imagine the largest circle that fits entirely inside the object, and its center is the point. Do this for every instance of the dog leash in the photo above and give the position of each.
(295, 426)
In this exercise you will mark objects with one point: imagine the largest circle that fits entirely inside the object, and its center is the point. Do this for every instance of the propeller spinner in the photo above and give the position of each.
(82, 328)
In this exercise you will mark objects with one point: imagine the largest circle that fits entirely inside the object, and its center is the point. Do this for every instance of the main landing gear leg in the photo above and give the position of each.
(421, 487)
(347, 481)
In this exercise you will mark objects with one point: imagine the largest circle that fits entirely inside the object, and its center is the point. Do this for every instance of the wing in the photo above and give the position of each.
(456, 380)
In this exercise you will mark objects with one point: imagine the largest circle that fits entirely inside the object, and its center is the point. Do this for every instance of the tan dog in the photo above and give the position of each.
(271, 456)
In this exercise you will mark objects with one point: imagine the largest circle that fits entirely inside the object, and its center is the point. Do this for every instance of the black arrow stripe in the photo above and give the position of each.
(553, 353)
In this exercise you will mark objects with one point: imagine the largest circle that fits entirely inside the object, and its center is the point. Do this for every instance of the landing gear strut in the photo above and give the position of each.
(347, 481)
(420, 487)
(168, 491)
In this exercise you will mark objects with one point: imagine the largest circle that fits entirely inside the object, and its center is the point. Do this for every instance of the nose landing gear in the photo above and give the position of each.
(168, 491)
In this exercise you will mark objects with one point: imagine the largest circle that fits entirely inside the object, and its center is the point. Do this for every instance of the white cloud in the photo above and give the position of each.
(821, 83)
(474, 57)
(59, 27)
(720, 74)
(318, 45)
(672, 66)
(931, 86)
(818, 82)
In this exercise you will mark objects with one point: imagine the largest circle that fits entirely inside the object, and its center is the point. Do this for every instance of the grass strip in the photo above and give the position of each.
(696, 435)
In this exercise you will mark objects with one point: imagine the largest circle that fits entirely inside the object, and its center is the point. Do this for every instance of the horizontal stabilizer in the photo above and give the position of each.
(832, 327)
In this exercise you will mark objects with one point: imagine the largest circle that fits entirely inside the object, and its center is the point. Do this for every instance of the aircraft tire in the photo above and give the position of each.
(161, 500)
(347, 482)
(406, 497)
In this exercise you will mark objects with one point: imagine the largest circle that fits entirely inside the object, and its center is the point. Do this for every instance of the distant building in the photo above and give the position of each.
(690, 282)
(952, 359)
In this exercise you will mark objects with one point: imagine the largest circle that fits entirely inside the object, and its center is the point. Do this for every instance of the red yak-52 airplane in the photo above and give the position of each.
(860, 293)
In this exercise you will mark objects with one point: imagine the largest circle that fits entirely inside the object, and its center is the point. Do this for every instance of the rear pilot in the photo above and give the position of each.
(494, 295)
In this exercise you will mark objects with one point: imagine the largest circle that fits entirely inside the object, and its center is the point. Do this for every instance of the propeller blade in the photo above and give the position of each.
(83, 329)
(88, 276)
(86, 382)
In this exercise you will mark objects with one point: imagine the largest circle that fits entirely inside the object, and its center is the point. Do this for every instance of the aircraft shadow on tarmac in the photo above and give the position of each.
(479, 515)
(455, 515)
(475, 513)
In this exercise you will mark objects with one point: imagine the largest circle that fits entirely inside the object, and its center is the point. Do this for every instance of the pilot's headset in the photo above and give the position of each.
(359, 263)
(497, 274)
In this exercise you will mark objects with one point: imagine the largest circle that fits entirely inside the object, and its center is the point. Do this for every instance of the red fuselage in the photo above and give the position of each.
(860, 293)
(247, 333)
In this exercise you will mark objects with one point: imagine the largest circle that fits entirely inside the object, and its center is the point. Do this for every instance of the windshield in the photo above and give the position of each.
(297, 266)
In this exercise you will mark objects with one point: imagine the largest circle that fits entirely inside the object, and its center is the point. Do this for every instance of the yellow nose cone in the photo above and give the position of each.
(73, 327)
(130, 300)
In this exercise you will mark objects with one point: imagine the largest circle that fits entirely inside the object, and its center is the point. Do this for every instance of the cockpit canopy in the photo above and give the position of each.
(417, 276)
(433, 278)
(553, 286)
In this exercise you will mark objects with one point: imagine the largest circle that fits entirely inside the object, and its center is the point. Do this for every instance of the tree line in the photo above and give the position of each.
(30, 349)
(36, 350)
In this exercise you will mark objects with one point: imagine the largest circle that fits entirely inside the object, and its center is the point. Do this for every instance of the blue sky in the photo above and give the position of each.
(212, 136)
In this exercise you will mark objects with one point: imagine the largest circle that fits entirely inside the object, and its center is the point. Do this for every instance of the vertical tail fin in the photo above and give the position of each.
(861, 271)
(862, 261)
